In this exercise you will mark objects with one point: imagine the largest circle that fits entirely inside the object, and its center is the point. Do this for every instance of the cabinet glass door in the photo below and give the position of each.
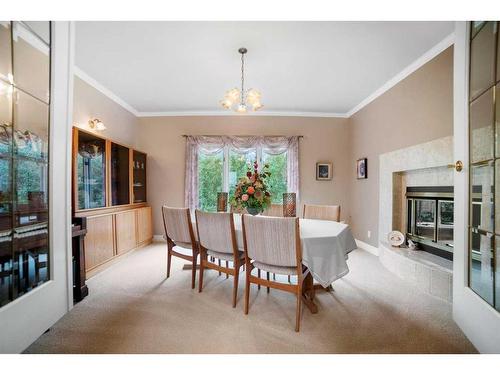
(139, 168)
(120, 174)
(91, 171)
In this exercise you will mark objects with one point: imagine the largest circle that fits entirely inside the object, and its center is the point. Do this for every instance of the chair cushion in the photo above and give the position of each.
(224, 256)
(275, 269)
(185, 245)
(183, 250)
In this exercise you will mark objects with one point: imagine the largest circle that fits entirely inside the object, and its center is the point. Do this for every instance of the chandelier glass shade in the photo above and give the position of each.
(241, 100)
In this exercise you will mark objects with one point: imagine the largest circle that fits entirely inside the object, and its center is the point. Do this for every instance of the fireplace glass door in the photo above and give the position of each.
(425, 218)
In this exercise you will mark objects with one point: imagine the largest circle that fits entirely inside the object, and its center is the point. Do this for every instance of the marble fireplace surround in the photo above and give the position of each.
(420, 165)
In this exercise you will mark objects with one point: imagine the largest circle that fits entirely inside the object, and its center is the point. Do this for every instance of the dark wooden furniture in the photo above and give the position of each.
(78, 232)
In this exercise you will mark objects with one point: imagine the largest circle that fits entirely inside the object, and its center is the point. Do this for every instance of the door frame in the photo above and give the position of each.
(478, 320)
(23, 320)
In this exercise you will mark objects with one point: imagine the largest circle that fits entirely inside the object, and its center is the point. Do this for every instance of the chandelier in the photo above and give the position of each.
(241, 100)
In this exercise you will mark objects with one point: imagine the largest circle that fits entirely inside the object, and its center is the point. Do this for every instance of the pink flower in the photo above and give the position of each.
(244, 197)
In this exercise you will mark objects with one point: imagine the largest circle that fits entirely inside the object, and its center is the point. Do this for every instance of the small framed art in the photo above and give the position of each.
(323, 171)
(362, 168)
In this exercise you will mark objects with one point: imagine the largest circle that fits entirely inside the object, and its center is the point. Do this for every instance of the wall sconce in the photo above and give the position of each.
(96, 124)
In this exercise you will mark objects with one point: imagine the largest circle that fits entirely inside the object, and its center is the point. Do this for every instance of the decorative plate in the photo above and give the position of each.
(396, 238)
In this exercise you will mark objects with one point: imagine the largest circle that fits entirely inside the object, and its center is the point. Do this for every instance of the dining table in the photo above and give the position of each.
(325, 249)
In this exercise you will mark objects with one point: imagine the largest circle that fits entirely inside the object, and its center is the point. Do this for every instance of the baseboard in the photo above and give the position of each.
(367, 247)
(158, 238)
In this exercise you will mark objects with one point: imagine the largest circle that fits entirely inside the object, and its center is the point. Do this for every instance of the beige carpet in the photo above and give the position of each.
(132, 308)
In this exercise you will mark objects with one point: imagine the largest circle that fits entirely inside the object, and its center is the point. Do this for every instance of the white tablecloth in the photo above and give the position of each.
(325, 247)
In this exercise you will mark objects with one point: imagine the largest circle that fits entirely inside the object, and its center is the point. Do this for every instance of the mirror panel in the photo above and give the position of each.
(6, 91)
(497, 121)
(5, 51)
(482, 197)
(476, 26)
(31, 62)
(31, 126)
(40, 28)
(481, 127)
(482, 60)
(481, 271)
(497, 273)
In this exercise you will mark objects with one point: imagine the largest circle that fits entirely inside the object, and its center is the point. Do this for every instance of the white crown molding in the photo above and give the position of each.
(422, 60)
(229, 113)
(104, 90)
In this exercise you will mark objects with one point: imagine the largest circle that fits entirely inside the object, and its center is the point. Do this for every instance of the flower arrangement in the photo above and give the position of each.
(251, 191)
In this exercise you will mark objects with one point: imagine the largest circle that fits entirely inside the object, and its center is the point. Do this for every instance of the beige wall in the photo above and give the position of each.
(325, 139)
(416, 110)
(89, 103)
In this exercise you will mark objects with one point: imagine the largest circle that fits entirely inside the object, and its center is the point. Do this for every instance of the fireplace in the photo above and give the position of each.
(429, 219)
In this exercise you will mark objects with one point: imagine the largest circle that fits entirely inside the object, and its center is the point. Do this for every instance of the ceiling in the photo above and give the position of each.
(299, 67)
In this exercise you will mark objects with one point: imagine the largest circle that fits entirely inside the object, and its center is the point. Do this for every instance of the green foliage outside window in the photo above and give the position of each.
(211, 175)
(277, 182)
(238, 167)
(210, 180)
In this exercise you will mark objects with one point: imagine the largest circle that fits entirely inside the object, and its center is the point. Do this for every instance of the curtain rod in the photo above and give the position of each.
(203, 135)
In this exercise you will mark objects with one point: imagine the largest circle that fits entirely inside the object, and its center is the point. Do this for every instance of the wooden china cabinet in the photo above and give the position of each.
(109, 190)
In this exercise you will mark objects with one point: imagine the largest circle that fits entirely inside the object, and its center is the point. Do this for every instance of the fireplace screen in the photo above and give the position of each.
(430, 218)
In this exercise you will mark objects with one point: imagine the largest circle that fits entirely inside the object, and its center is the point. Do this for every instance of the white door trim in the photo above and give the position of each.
(479, 321)
(25, 319)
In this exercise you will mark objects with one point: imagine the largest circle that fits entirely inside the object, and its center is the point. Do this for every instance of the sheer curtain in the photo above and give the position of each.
(213, 144)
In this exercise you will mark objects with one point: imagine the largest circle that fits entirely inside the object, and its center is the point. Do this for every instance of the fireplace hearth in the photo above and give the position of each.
(429, 219)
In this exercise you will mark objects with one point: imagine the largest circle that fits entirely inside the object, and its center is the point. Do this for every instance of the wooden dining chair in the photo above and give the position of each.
(179, 234)
(217, 239)
(272, 244)
(319, 212)
(275, 210)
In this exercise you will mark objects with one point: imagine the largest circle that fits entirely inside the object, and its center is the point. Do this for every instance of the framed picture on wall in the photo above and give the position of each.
(362, 168)
(323, 171)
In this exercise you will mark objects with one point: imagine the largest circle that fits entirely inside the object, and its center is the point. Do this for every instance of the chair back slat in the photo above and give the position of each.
(215, 231)
(272, 240)
(275, 210)
(320, 212)
(177, 224)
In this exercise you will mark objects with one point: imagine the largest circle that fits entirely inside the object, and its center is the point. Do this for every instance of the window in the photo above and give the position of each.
(278, 179)
(238, 166)
(221, 172)
(210, 179)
